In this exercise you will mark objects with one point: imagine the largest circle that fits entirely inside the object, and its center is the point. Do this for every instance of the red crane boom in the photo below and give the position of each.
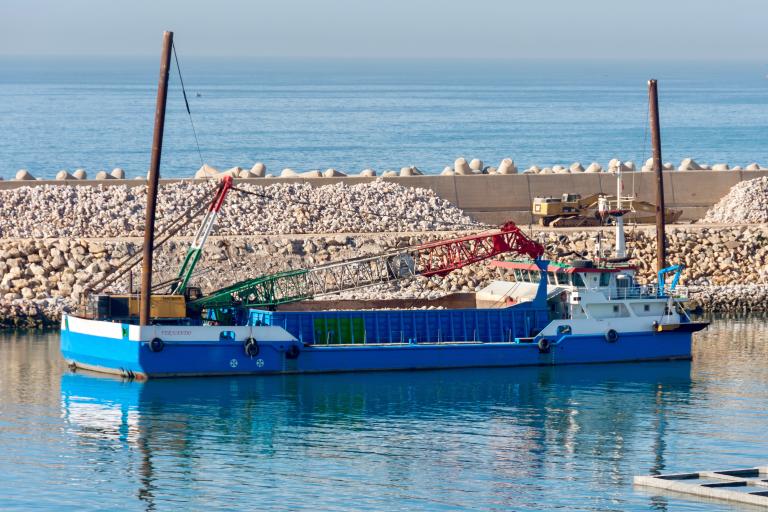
(444, 256)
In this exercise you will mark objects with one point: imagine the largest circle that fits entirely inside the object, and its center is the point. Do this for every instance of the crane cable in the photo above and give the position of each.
(130, 261)
(186, 103)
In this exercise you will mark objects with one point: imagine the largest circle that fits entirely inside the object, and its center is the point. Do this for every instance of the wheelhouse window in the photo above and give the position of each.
(578, 281)
(605, 279)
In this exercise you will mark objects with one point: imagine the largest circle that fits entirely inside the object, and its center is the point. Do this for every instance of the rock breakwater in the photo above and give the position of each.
(727, 268)
(461, 166)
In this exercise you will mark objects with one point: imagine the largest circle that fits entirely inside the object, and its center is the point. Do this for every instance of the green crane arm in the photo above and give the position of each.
(265, 291)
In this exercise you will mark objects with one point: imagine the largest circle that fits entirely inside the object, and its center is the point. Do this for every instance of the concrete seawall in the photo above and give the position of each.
(497, 198)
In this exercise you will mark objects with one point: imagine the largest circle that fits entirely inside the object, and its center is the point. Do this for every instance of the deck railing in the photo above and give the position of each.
(648, 291)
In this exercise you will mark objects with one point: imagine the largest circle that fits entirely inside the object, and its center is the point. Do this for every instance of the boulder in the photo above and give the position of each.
(206, 171)
(389, 174)
(368, 173)
(24, 175)
(629, 166)
(103, 175)
(410, 171)
(64, 175)
(118, 173)
(80, 174)
(476, 164)
(720, 167)
(490, 170)
(333, 173)
(613, 164)
(234, 172)
(559, 169)
(547, 170)
(576, 167)
(288, 173)
(245, 174)
(668, 166)
(593, 167)
(737, 168)
(689, 164)
(311, 174)
(447, 171)
(754, 166)
(461, 166)
(507, 166)
(259, 170)
(534, 169)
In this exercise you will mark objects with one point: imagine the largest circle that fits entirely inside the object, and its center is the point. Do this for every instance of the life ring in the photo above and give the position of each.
(156, 345)
(292, 352)
(251, 347)
(611, 336)
(544, 345)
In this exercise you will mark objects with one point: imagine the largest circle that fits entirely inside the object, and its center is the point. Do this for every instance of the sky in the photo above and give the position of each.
(535, 29)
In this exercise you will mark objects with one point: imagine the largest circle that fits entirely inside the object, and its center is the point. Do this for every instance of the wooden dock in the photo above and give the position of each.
(736, 485)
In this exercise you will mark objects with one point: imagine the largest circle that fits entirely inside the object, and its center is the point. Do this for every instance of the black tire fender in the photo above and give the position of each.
(156, 345)
(251, 347)
(292, 352)
(544, 345)
(611, 336)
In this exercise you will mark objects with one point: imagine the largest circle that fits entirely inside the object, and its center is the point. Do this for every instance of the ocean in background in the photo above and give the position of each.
(67, 113)
(566, 438)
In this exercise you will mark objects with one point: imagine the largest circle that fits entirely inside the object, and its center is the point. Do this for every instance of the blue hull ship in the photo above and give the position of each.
(527, 333)
(279, 352)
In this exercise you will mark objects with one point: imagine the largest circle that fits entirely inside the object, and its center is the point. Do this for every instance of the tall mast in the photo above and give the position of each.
(661, 239)
(154, 178)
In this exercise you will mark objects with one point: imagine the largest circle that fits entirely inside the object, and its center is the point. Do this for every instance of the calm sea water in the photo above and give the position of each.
(98, 114)
(568, 438)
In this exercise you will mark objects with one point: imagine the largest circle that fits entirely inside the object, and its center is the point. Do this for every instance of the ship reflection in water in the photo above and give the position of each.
(521, 438)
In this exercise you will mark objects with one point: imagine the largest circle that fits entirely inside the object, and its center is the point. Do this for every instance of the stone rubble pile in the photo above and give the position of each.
(727, 268)
(746, 202)
(282, 208)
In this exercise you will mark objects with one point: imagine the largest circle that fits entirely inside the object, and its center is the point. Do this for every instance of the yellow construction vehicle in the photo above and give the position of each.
(572, 210)
(568, 210)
